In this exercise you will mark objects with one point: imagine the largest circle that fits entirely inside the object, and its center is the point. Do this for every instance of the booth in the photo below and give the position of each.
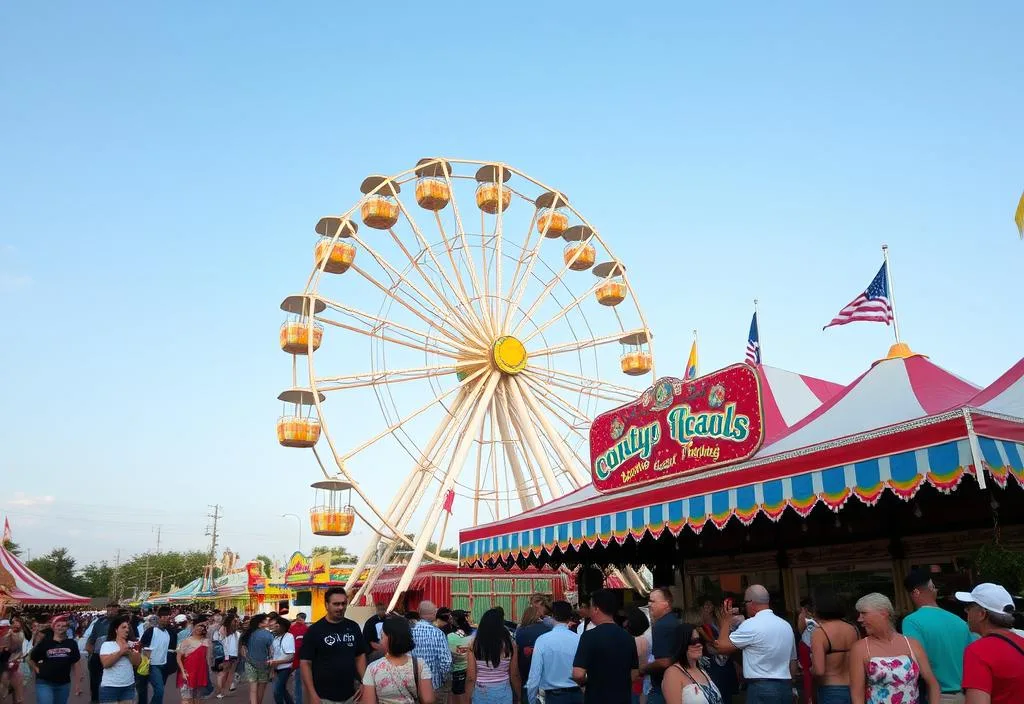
(21, 587)
(909, 466)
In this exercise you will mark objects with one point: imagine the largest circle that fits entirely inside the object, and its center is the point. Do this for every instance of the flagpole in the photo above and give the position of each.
(892, 292)
(696, 369)
(760, 345)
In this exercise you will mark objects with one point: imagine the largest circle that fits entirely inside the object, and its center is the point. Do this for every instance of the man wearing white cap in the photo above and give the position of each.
(993, 664)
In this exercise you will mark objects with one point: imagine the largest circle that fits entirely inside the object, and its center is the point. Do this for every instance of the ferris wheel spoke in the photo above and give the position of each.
(532, 258)
(549, 287)
(376, 322)
(435, 349)
(564, 416)
(526, 500)
(360, 380)
(390, 293)
(471, 321)
(460, 232)
(570, 462)
(559, 405)
(450, 251)
(577, 345)
(562, 313)
(518, 403)
(627, 394)
(455, 465)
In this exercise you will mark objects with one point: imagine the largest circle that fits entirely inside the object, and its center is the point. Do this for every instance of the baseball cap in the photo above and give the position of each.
(4, 623)
(180, 618)
(990, 597)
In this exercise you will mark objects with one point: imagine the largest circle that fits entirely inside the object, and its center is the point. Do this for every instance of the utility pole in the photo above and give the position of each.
(114, 576)
(211, 530)
(158, 539)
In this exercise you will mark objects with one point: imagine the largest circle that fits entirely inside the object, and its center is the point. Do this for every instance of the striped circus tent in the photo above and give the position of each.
(788, 397)
(903, 424)
(20, 585)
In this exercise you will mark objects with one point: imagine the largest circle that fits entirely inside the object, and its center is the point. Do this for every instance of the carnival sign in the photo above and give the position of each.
(678, 427)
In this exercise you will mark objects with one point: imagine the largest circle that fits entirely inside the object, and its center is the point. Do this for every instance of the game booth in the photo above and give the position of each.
(752, 475)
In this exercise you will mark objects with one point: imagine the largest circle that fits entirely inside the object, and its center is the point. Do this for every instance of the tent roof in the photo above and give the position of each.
(29, 588)
(788, 397)
(892, 391)
(1005, 395)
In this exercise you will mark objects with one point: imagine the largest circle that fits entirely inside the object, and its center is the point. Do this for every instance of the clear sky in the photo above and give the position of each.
(161, 168)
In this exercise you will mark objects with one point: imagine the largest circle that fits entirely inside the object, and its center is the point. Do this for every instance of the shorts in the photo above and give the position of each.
(117, 694)
(458, 681)
(256, 674)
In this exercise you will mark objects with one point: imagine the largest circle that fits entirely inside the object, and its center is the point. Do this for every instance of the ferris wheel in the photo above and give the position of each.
(446, 347)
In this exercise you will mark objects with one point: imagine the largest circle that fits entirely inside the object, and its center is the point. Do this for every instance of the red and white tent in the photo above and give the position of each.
(21, 585)
(1005, 395)
(787, 397)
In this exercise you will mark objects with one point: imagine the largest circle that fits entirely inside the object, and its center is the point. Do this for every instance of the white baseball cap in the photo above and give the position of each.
(4, 623)
(180, 618)
(990, 597)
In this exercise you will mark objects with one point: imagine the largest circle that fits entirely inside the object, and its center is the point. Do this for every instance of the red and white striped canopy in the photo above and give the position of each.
(892, 391)
(788, 397)
(29, 588)
(1005, 395)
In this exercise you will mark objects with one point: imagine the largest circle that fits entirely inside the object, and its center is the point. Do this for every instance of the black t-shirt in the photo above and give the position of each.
(55, 660)
(526, 638)
(608, 654)
(370, 629)
(664, 643)
(332, 649)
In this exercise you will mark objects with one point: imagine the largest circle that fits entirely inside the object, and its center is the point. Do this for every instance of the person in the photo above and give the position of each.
(431, 646)
(605, 663)
(686, 680)
(722, 668)
(805, 626)
(944, 636)
(458, 642)
(282, 653)
(664, 640)
(254, 646)
(585, 623)
(397, 677)
(531, 627)
(542, 602)
(157, 642)
(333, 655)
(370, 631)
(551, 667)
(298, 631)
(492, 670)
(52, 660)
(638, 626)
(13, 654)
(994, 663)
(884, 665)
(229, 640)
(195, 658)
(118, 658)
(768, 645)
(830, 647)
(97, 634)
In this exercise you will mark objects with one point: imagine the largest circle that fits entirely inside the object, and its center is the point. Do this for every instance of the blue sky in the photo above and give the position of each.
(162, 167)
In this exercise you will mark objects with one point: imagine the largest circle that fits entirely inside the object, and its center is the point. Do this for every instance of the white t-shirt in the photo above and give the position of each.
(283, 646)
(768, 646)
(231, 645)
(584, 626)
(121, 674)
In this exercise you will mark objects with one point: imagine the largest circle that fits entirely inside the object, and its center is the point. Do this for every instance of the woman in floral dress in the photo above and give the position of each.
(396, 678)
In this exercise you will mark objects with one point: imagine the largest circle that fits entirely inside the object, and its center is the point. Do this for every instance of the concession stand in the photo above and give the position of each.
(728, 480)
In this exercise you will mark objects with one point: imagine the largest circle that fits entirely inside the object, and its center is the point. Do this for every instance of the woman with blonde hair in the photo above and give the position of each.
(885, 666)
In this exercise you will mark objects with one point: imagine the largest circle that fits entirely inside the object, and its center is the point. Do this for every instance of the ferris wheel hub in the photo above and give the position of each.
(509, 354)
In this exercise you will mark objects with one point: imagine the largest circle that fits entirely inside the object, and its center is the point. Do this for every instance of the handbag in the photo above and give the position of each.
(143, 668)
(415, 679)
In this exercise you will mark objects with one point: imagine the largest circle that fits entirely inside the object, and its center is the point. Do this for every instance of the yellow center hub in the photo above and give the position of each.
(509, 355)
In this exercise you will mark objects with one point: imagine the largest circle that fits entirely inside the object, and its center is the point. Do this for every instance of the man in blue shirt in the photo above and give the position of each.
(943, 635)
(432, 648)
(551, 667)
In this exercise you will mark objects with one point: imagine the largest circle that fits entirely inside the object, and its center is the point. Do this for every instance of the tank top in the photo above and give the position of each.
(491, 676)
(892, 679)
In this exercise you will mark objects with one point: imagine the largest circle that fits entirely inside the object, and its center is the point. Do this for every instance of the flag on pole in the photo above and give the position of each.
(1018, 217)
(449, 501)
(753, 342)
(872, 306)
(7, 531)
(691, 363)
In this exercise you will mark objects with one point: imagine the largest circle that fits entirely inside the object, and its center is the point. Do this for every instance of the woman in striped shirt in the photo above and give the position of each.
(492, 674)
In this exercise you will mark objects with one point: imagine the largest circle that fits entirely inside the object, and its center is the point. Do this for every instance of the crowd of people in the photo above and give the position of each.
(596, 654)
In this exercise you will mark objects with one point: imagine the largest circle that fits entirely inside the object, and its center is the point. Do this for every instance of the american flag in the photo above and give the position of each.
(753, 342)
(871, 306)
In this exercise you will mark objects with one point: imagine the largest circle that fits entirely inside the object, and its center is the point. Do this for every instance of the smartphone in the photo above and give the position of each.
(727, 605)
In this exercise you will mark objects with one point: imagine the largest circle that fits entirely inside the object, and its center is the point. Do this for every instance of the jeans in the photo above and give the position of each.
(298, 688)
(655, 696)
(570, 697)
(49, 693)
(117, 694)
(770, 692)
(834, 694)
(493, 694)
(281, 693)
(141, 688)
(157, 680)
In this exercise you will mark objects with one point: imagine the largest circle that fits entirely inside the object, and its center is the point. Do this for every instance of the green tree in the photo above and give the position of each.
(154, 572)
(96, 580)
(12, 547)
(339, 555)
(267, 564)
(57, 567)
